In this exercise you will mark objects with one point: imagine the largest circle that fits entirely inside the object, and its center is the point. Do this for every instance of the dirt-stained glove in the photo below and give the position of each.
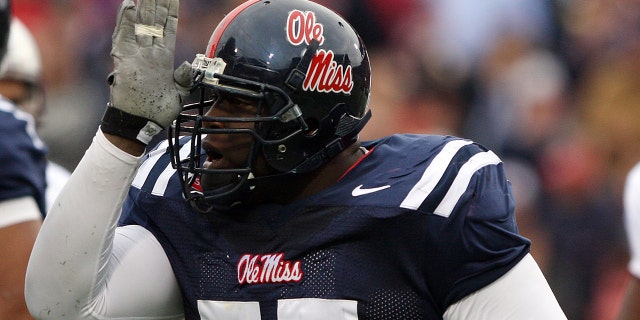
(146, 92)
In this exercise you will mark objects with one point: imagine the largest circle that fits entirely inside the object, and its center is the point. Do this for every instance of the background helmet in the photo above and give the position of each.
(22, 60)
(22, 64)
(5, 23)
(307, 67)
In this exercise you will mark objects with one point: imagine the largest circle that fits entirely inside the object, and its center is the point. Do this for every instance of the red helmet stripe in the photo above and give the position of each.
(222, 26)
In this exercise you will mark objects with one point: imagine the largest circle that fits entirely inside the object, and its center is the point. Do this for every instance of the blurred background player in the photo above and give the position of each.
(21, 82)
(22, 192)
(631, 304)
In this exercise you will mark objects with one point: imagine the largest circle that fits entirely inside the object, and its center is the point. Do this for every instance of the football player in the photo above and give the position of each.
(263, 203)
(21, 82)
(22, 185)
(631, 304)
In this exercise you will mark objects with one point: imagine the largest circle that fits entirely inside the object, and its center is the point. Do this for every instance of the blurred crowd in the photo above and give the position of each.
(552, 86)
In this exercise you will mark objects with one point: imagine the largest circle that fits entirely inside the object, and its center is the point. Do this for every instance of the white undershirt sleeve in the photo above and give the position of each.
(18, 210)
(520, 294)
(81, 267)
(141, 281)
(632, 218)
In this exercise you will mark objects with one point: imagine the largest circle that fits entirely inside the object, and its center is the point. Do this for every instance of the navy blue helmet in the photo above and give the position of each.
(307, 69)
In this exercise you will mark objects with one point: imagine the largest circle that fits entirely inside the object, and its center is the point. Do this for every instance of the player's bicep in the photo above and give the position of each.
(141, 282)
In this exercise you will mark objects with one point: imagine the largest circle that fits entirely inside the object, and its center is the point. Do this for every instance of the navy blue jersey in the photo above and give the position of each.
(419, 223)
(22, 156)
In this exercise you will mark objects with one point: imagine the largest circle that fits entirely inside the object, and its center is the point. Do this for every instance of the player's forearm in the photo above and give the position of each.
(131, 147)
(70, 256)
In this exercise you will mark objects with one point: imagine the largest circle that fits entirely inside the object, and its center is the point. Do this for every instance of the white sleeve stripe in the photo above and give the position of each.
(461, 182)
(163, 180)
(19, 114)
(432, 175)
(147, 166)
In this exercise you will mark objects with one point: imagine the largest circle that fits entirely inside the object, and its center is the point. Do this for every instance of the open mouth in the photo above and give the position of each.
(213, 155)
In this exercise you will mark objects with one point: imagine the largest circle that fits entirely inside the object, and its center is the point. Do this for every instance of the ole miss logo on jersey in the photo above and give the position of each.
(324, 73)
(268, 268)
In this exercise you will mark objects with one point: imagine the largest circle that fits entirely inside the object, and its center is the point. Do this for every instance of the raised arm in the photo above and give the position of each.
(83, 266)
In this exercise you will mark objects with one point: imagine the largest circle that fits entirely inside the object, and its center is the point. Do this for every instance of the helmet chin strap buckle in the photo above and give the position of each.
(292, 114)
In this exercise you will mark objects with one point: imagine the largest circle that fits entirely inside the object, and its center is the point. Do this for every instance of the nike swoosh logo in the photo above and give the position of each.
(359, 191)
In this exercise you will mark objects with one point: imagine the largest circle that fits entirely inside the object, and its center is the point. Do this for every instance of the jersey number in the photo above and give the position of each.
(288, 309)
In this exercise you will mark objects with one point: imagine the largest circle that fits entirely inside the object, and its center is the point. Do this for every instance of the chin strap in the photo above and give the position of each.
(346, 131)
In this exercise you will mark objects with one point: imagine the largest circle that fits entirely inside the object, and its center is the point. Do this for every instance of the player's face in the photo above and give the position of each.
(227, 151)
(24, 96)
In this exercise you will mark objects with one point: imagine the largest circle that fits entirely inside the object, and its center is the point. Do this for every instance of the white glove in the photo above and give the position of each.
(146, 93)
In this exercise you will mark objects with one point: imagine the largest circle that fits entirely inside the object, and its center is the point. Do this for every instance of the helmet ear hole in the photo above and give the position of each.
(314, 126)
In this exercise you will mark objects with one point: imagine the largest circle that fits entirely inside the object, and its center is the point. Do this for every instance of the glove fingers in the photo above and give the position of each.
(146, 16)
(169, 34)
(161, 20)
(171, 25)
(146, 13)
(173, 8)
(123, 39)
(162, 12)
